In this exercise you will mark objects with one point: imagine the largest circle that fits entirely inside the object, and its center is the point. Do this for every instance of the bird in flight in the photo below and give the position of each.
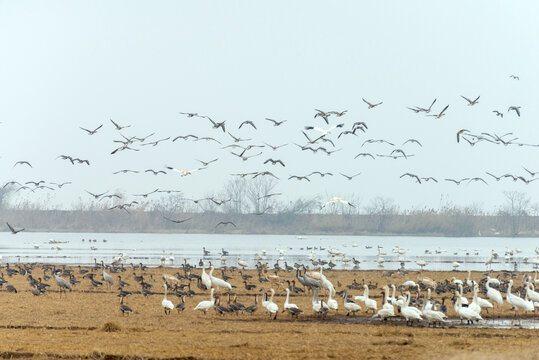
(350, 177)
(338, 199)
(370, 104)
(412, 141)
(268, 195)
(156, 142)
(460, 132)
(477, 179)
(22, 162)
(62, 184)
(324, 131)
(273, 162)
(217, 125)
(96, 196)
(498, 113)
(189, 114)
(179, 221)
(515, 108)
(381, 141)
(470, 102)
(275, 122)
(364, 155)
(532, 173)
(412, 176)
(442, 113)
(125, 171)
(117, 126)
(206, 163)
(247, 122)
(514, 77)
(237, 139)
(91, 132)
(146, 194)
(264, 173)
(425, 110)
(156, 172)
(185, 137)
(13, 231)
(275, 147)
(457, 181)
(184, 172)
(299, 177)
(225, 223)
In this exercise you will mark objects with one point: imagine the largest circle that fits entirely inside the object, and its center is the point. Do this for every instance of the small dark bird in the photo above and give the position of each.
(22, 162)
(119, 127)
(350, 177)
(412, 176)
(225, 223)
(179, 221)
(275, 122)
(497, 113)
(273, 162)
(514, 77)
(156, 172)
(13, 231)
(247, 122)
(96, 196)
(515, 108)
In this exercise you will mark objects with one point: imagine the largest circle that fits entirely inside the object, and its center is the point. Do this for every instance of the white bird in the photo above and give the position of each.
(338, 199)
(421, 263)
(218, 283)
(332, 303)
(493, 294)
(464, 312)
(455, 265)
(288, 305)
(242, 263)
(324, 132)
(370, 304)
(206, 305)
(410, 313)
(317, 304)
(272, 307)
(205, 278)
(517, 302)
(167, 304)
(350, 306)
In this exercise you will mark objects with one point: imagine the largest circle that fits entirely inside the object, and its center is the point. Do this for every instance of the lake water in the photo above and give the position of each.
(83, 248)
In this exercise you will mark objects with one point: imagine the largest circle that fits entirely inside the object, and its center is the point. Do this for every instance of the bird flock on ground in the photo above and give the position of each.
(415, 299)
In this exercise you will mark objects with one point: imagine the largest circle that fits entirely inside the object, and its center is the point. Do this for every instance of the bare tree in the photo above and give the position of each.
(257, 193)
(382, 210)
(236, 190)
(5, 194)
(516, 209)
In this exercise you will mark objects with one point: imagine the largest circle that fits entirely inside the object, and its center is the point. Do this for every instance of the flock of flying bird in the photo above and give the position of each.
(317, 139)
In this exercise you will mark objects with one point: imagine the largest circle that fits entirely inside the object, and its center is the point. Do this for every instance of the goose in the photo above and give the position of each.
(167, 304)
(371, 105)
(465, 312)
(206, 305)
(218, 283)
(517, 302)
(124, 308)
(271, 307)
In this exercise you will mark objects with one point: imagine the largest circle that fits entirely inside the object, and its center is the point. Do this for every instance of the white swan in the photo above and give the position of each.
(350, 306)
(387, 309)
(205, 278)
(465, 313)
(517, 302)
(167, 304)
(272, 307)
(332, 303)
(410, 313)
(493, 294)
(433, 316)
(206, 305)
(288, 305)
(218, 283)
(318, 304)
(370, 304)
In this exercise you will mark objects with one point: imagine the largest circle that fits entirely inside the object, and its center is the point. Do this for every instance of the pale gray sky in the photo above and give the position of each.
(67, 64)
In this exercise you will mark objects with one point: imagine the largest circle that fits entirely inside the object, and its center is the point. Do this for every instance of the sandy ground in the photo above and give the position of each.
(88, 323)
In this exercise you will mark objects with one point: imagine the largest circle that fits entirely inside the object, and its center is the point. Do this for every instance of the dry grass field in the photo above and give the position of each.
(87, 323)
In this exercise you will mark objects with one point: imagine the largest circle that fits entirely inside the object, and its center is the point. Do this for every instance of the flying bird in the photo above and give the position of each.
(206, 163)
(275, 147)
(62, 184)
(370, 104)
(225, 223)
(275, 122)
(442, 113)
(460, 132)
(179, 221)
(364, 155)
(412, 176)
(498, 113)
(268, 195)
(91, 132)
(324, 131)
(470, 102)
(338, 199)
(184, 172)
(299, 177)
(96, 196)
(477, 179)
(117, 126)
(350, 177)
(514, 77)
(247, 122)
(146, 194)
(13, 231)
(457, 181)
(22, 162)
(515, 108)
(412, 141)
(217, 125)
(273, 162)
(185, 137)
(156, 142)
(155, 172)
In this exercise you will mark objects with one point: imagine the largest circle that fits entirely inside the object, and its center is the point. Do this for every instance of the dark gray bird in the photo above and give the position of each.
(247, 122)
(273, 162)
(179, 221)
(515, 108)
(13, 231)
(22, 162)
(225, 223)
(350, 177)
(412, 176)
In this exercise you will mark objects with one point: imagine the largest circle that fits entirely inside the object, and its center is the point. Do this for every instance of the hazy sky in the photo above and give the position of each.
(67, 64)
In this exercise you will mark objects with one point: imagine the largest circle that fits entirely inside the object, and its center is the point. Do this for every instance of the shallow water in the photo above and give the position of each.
(76, 248)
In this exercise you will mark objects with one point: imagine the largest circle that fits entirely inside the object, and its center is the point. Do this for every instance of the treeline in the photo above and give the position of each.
(140, 221)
